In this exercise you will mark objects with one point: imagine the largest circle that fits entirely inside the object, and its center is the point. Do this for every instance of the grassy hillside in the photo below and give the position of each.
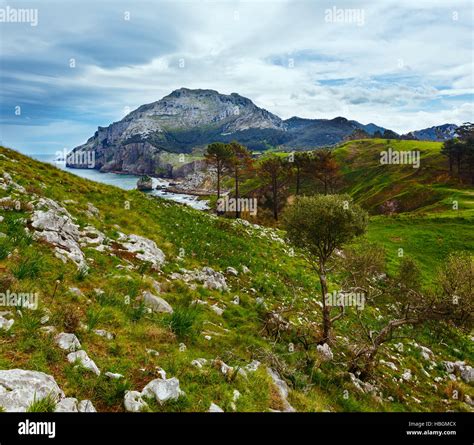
(80, 303)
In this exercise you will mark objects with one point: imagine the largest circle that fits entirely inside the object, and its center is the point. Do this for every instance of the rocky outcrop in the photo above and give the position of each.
(210, 278)
(145, 183)
(282, 388)
(143, 248)
(20, 388)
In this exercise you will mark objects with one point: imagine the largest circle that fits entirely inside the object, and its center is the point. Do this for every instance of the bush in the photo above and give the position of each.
(182, 320)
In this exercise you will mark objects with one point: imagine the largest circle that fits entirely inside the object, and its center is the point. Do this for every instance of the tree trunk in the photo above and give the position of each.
(298, 181)
(326, 314)
(237, 207)
(275, 199)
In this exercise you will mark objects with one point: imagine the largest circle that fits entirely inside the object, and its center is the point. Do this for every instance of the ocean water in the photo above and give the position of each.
(127, 182)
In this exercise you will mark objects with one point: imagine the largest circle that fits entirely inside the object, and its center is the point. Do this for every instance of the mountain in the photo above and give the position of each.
(438, 133)
(188, 119)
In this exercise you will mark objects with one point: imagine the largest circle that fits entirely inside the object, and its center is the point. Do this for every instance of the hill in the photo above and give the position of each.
(148, 287)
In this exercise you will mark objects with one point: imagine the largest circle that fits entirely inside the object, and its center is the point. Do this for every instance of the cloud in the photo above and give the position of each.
(408, 67)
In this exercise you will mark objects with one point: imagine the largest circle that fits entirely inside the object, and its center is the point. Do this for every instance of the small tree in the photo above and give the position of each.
(218, 155)
(239, 162)
(319, 225)
(301, 161)
(274, 170)
(324, 168)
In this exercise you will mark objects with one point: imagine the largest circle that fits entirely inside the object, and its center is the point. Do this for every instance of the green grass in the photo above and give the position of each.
(427, 233)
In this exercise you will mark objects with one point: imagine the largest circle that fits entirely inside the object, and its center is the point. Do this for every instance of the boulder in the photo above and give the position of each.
(163, 389)
(84, 360)
(232, 271)
(215, 408)
(155, 303)
(67, 405)
(133, 402)
(86, 406)
(144, 249)
(68, 342)
(145, 183)
(20, 388)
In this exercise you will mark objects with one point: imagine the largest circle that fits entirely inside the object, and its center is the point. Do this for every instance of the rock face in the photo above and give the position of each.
(20, 388)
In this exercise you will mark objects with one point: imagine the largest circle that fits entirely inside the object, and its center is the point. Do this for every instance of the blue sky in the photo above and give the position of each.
(401, 64)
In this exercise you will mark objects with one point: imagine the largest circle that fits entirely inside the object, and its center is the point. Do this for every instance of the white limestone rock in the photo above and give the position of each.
(20, 388)
(68, 342)
(84, 360)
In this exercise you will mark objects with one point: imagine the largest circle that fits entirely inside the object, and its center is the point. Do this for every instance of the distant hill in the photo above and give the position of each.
(437, 133)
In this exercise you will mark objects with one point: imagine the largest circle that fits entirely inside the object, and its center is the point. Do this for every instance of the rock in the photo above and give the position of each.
(208, 276)
(252, 366)
(68, 342)
(156, 304)
(468, 400)
(144, 249)
(84, 360)
(112, 375)
(245, 269)
(391, 365)
(232, 271)
(152, 352)
(6, 324)
(92, 210)
(407, 375)
(50, 330)
(145, 183)
(399, 347)
(325, 352)
(67, 405)
(426, 353)
(163, 389)
(215, 409)
(76, 291)
(56, 227)
(86, 406)
(282, 388)
(199, 362)
(133, 402)
(106, 334)
(217, 309)
(20, 388)
(467, 374)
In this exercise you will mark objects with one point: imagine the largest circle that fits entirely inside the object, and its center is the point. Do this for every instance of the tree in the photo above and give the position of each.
(325, 169)
(466, 146)
(319, 225)
(300, 162)
(239, 162)
(218, 155)
(448, 150)
(274, 170)
(409, 306)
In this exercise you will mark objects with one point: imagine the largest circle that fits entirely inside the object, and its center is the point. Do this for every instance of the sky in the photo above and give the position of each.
(77, 65)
